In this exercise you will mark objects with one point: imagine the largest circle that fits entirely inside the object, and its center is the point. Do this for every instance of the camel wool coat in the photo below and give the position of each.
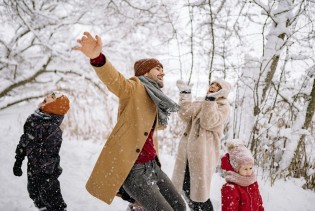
(136, 115)
(200, 144)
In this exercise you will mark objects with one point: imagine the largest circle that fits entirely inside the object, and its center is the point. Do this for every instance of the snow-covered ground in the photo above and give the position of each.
(77, 160)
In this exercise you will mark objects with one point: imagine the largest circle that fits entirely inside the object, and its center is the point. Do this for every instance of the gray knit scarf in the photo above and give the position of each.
(164, 104)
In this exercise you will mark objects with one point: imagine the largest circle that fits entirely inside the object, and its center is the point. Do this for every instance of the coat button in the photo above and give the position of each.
(137, 150)
(185, 134)
(145, 133)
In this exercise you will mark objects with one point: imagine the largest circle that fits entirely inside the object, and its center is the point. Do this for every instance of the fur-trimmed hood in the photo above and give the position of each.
(226, 86)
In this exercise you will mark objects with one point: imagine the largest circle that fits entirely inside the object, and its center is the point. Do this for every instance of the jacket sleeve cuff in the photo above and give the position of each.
(19, 158)
(98, 61)
(208, 98)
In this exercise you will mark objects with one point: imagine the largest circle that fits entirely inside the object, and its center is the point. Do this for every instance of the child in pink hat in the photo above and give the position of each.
(241, 191)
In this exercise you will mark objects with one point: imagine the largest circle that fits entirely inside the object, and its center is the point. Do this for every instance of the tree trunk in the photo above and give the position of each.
(299, 163)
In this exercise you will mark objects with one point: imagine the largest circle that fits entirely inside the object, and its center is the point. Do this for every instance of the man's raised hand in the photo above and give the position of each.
(90, 46)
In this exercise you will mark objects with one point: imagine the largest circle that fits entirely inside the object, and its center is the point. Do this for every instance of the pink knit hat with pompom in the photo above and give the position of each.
(239, 156)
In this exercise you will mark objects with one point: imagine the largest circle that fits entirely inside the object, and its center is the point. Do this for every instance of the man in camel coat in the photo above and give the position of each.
(199, 147)
(129, 164)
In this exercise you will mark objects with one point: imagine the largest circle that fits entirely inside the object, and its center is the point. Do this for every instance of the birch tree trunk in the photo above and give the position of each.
(270, 60)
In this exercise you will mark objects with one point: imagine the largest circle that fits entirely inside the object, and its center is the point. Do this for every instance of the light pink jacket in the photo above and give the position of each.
(200, 143)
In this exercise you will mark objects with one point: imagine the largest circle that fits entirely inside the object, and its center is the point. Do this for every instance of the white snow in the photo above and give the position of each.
(78, 158)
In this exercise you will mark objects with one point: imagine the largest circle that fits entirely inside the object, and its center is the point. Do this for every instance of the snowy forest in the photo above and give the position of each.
(264, 48)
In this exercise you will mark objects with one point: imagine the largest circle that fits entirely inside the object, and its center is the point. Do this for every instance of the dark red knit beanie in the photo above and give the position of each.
(143, 66)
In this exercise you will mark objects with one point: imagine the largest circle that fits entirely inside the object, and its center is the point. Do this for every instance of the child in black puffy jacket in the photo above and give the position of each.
(41, 142)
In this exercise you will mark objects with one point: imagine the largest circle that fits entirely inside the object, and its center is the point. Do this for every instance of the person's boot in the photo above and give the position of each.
(39, 204)
(207, 206)
(133, 207)
(201, 206)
